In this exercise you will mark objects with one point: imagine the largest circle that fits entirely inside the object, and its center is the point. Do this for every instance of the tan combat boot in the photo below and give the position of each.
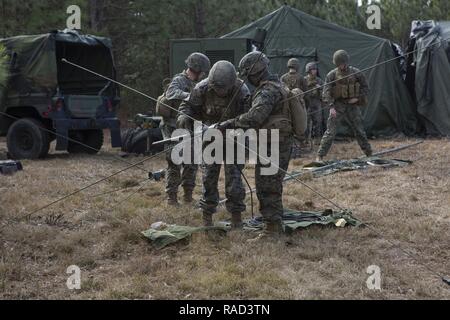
(236, 221)
(207, 220)
(172, 199)
(187, 198)
(271, 231)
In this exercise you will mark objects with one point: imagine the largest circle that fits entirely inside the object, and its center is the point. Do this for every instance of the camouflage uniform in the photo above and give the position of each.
(294, 80)
(266, 102)
(185, 175)
(337, 95)
(206, 106)
(313, 101)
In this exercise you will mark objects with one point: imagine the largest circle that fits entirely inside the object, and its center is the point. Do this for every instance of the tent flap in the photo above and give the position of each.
(432, 70)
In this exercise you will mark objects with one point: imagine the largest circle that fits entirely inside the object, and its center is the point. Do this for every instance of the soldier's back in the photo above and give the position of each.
(293, 80)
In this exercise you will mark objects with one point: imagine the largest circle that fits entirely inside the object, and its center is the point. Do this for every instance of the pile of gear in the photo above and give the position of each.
(8, 167)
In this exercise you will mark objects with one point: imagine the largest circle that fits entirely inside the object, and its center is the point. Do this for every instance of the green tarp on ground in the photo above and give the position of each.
(432, 75)
(321, 169)
(293, 33)
(161, 235)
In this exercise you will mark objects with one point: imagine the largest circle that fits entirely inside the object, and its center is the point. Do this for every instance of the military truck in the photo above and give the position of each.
(44, 92)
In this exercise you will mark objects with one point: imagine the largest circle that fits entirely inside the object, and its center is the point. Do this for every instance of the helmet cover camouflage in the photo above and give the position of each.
(222, 76)
(294, 63)
(198, 62)
(253, 63)
(311, 66)
(341, 57)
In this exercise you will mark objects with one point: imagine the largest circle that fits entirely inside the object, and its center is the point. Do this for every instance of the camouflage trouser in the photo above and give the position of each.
(234, 189)
(177, 175)
(314, 118)
(352, 115)
(269, 189)
(325, 115)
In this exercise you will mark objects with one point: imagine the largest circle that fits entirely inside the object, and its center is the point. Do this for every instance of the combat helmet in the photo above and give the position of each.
(311, 66)
(198, 62)
(253, 63)
(222, 76)
(341, 57)
(294, 63)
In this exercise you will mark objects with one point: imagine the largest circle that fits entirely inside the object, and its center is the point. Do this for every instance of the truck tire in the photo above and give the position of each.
(135, 141)
(92, 138)
(27, 140)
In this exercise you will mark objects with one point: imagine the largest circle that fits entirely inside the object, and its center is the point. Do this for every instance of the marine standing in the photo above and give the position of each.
(345, 92)
(221, 96)
(293, 78)
(266, 112)
(313, 100)
(179, 90)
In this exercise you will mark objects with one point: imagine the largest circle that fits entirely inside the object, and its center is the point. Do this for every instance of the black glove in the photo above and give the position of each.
(184, 122)
(229, 124)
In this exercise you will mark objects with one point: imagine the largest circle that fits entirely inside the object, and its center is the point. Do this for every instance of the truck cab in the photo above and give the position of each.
(46, 98)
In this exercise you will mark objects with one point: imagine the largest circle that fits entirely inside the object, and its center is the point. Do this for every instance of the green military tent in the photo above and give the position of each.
(428, 75)
(293, 33)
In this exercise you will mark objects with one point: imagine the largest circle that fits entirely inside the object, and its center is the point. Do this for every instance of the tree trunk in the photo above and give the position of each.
(95, 13)
(199, 19)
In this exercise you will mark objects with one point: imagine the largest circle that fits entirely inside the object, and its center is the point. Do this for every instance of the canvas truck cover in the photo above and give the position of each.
(294, 34)
(34, 61)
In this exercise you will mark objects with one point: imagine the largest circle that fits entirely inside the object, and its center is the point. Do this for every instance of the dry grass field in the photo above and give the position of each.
(409, 206)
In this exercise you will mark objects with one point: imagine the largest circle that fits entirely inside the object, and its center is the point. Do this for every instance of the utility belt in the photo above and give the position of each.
(362, 102)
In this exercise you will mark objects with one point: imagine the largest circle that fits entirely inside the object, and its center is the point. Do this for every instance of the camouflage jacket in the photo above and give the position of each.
(313, 87)
(206, 106)
(178, 90)
(354, 86)
(267, 101)
(294, 80)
